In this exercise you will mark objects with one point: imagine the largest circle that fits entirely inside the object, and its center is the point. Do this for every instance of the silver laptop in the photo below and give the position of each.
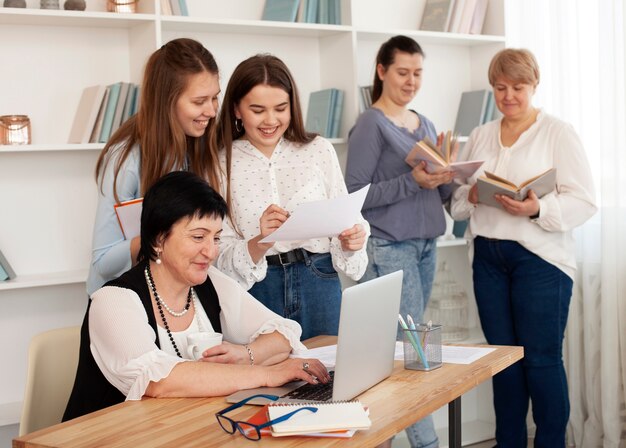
(365, 345)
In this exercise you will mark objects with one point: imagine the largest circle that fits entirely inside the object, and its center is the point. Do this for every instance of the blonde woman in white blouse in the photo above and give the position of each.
(272, 165)
(134, 336)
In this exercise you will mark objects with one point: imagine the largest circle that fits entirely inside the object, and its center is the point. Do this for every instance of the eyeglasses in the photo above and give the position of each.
(249, 430)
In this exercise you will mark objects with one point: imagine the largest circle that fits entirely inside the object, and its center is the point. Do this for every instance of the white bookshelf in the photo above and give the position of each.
(50, 193)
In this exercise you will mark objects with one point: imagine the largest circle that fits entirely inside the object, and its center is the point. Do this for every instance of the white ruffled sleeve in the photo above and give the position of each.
(123, 344)
(244, 318)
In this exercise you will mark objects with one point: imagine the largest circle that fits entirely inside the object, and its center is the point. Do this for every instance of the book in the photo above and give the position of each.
(261, 417)
(489, 184)
(466, 17)
(471, 111)
(86, 114)
(457, 13)
(281, 10)
(334, 11)
(310, 12)
(336, 115)
(320, 111)
(166, 8)
(333, 416)
(437, 15)
(119, 108)
(95, 134)
(476, 26)
(184, 11)
(323, 11)
(439, 159)
(129, 216)
(175, 7)
(489, 108)
(6, 271)
(109, 112)
(128, 105)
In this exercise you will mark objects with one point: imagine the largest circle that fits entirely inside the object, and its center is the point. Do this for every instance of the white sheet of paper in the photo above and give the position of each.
(452, 354)
(129, 216)
(327, 355)
(319, 219)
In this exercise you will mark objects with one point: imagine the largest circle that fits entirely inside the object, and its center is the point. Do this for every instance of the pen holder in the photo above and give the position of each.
(422, 347)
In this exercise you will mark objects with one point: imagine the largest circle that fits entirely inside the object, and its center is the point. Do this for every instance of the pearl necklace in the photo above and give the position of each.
(160, 301)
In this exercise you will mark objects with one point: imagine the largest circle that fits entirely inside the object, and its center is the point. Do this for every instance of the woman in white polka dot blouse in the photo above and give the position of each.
(272, 164)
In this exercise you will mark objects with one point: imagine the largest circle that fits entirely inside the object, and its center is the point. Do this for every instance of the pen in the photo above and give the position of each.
(417, 339)
(412, 340)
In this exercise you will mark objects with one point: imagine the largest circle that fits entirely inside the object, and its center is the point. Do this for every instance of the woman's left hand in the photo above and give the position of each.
(226, 353)
(352, 238)
(527, 207)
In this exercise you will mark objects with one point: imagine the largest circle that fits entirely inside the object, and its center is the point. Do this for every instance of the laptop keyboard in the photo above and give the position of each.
(314, 392)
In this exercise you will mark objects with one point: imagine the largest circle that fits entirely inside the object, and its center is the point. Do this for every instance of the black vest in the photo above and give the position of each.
(92, 391)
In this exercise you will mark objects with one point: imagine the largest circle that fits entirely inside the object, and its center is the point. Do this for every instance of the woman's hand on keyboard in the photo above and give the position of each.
(310, 370)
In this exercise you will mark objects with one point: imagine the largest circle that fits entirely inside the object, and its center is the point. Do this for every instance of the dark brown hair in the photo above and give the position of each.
(386, 57)
(163, 144)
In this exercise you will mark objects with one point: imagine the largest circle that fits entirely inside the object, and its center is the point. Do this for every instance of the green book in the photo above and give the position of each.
(281, 10)
(337, 113)
(319, 112)
(109, 112)
(6, 271)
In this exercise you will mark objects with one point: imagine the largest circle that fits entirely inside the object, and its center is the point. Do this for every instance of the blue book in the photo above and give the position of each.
(184, 11)
(337, 113)
(310, 13)
(471, 111)
(136, 100)
(128, 104)
(334, 12)
(109, 112)
(319, 112)
(281, 10)
(6, 271)
(323, 11)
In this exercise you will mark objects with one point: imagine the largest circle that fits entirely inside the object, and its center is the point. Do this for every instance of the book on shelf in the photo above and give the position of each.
(6, 271)
(471, 112)
(336, 115)
(86, 114)
(437, 15)
(489, 185)
(365, 97)
(281, 10)
(478, 19)
(260, 417)
(136, 100)
(333, 416)
(334, 12)
(128, 105)
(95, 134)
(321, 111)
(119, 108)
(466, 17)
(439, 159)
(109, 112)
(129, 216)
(310, 11)
(184, 11)
(175, 7)
(455, 18)
(166, 8)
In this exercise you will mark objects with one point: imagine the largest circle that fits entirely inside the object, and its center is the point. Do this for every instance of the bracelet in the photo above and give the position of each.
(250, 354)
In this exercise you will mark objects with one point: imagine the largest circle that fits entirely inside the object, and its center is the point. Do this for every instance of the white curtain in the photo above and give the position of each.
(580, 48)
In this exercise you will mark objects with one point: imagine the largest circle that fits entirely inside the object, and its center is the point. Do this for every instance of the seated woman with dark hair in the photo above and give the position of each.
(134, 335)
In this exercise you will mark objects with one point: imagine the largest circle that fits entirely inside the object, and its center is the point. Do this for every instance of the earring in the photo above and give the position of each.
(238, 125)
(158, 260)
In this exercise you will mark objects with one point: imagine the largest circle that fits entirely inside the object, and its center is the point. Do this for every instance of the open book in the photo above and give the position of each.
(490, 184)
(331, 416)
(439, 159)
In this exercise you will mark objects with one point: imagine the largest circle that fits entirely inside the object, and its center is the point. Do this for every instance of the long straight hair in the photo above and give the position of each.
(387, 55)
(163, 144)
(261, 69)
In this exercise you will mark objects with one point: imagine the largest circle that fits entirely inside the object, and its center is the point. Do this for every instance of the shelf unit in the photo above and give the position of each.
(45, 227)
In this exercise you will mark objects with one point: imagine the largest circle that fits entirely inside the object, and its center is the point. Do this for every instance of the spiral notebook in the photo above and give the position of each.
(332, 416)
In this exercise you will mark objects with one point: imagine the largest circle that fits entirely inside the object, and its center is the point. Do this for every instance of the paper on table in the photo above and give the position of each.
(318, 219)
(129, 217)
(326, 355)
(452, 354)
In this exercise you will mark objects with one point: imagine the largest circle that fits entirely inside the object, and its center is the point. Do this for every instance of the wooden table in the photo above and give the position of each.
(395, 403)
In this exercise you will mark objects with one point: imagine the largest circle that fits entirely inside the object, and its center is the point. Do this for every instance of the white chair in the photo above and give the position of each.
(52, 362)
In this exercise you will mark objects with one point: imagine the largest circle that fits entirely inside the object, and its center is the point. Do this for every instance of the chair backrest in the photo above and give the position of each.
(52, 362)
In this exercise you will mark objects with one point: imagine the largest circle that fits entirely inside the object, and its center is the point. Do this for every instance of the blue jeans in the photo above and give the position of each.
(418, 259)
(308, 292)
(524, 300)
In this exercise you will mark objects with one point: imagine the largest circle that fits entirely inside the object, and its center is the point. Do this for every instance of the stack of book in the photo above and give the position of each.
(331, 419)
(6, 271)
(475, 108)
(454, 16)
(324, 112)
(101, 110)
(305, 11)
(174, 7)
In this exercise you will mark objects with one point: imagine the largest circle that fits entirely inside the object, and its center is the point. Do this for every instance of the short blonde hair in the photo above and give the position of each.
(515, 64)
